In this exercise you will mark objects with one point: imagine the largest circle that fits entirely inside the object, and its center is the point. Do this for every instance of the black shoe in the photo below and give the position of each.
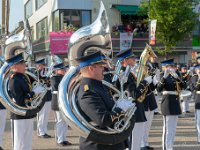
(45, 136)
(187, 112)
(156, 113)
(64, 143)
(1, 148)
(147, 148)
(67, 143)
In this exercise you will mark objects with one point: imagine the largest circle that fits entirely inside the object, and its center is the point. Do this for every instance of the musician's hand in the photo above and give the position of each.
(155, 80)
(124, 104)
(38, 89)
(166, 73)
(175, 75)
(157, 72)
(148, 79)
(190, 73)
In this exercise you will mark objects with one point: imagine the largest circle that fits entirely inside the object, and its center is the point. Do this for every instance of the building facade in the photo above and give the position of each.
(56, 15)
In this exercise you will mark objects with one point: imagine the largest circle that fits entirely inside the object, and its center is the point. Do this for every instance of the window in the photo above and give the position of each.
(40, 3)
(56, 23)
(28, 9)
(86, 18)
(63, 18)
(42, 29)
(32, 33)
(75, 18)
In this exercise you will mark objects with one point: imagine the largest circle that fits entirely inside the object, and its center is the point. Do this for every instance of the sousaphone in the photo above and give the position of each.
(19, 43)
(86, 40)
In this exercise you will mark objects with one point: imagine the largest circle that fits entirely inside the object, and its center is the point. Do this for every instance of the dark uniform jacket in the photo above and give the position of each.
(185, 80)
(1, 106)
(195, 86)
(55, 81)
(19, 90)
(170, 104)
(46, 80)
(150, 100)
(136, 93)
(96, 104)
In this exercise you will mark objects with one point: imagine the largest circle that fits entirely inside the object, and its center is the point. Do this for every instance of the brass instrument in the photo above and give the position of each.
(142, 71)
(89, 38)
(17, 44)
(54, 61)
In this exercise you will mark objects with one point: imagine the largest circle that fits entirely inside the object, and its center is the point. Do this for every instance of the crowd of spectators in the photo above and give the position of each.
(138, 28)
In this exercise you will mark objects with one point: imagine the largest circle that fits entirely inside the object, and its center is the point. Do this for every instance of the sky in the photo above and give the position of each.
(16, 13)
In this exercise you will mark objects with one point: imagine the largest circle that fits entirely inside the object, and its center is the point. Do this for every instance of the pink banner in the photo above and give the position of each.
(59, 42)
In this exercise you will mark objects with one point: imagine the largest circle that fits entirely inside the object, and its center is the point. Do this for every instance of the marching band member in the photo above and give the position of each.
(95, 102)
(150, 105)
(155, 66)
(195, 86)
(20, 92)
(2, 123)
(61, 127)
(126, 57)
(43, 114)
(185, 100)
(170, 84)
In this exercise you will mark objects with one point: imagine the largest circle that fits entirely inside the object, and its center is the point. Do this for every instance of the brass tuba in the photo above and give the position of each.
(19, 43)
(95, 36)
(142, 70)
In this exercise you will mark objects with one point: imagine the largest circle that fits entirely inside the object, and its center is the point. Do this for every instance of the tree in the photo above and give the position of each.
(175, 20)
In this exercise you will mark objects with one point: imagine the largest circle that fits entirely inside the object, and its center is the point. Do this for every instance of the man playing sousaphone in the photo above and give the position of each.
(170, 85)
(20, 90)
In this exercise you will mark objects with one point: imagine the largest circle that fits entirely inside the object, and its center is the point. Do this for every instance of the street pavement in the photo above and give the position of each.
(186, 135)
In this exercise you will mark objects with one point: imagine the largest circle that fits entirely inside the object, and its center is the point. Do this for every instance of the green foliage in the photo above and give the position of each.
(175, 21)
(143, 11)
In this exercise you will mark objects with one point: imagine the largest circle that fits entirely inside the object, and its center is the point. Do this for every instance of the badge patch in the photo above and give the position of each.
(86, 88)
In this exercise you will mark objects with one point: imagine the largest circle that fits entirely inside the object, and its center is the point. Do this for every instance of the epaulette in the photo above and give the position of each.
(12, 75)
(86, 87)
(194, 75)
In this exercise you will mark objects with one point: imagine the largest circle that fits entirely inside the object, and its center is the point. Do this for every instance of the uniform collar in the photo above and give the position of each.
(58, 75)
(90, 81)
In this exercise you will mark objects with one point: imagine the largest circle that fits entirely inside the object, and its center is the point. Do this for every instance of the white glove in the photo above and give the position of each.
(38, 89)
(173, 73)
(124, 104)
(157, 72)
(148, 79)
(155, 80)
(166, 73)
(190, 72)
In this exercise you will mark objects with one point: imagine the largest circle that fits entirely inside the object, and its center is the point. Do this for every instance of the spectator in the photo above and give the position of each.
(128, 28)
